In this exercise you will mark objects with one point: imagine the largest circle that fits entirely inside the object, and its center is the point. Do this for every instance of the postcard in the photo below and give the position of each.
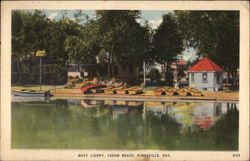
(125, 80)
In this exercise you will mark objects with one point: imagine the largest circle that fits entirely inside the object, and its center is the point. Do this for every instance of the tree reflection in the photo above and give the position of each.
(66, 124)
(226, 130)
(163, 129)
(129, 127)
(36, 122)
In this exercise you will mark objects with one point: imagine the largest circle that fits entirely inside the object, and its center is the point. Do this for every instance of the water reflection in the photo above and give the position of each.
(109, 124)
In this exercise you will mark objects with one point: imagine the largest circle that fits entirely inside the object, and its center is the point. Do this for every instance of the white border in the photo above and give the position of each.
(8, 154)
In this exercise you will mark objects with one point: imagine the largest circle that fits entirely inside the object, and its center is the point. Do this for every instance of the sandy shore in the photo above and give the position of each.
(148, 95)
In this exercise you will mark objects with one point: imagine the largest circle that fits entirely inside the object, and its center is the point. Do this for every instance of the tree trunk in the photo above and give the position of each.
(170, 79)
(227, 78)
(165, 72)
(109, 64)
(109, 69)
(235, 78)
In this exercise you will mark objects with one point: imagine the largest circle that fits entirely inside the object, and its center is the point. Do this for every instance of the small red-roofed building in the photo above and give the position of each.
(206, 75)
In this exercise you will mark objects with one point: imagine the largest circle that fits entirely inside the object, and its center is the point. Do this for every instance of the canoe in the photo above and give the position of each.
(115, 90)
(107, 90)
(160, 91)
(183, 92)
(122, 91)
(97, 90)
(87, 88)
(135, 91)
(30, 93)
(195, 92)
(171, 92)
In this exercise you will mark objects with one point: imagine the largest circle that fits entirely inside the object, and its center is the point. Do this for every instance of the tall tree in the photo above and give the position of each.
(122, 39)
(167, 44)
(29, 32)
(214, 34)
(83, 47)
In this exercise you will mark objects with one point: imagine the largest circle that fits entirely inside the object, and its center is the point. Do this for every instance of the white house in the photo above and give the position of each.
(206, 75)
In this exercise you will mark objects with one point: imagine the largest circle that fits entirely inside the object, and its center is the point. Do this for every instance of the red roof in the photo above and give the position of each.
(205, 64)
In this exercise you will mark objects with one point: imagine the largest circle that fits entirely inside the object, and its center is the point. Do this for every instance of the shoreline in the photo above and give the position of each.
(146, 96)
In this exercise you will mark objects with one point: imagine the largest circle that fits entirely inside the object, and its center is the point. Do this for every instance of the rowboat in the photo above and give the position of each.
(113, 90)
(122, 91)
(86, 89)
(108, 90)
(30, 93)
(183, 92)
(171, 92)
(135, 90)
(195, 92)
(97, 90)
(160, 91)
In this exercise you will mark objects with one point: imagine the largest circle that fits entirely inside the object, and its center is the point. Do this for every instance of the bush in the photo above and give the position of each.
(154, 74)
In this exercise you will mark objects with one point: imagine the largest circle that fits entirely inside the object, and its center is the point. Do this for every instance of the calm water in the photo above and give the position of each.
(90, 124)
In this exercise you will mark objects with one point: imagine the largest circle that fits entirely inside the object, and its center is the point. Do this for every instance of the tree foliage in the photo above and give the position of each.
(167, 44)
(214, 34)
(29, 32)
(155, 75)
(83, 47)
(115, 37)
(121, 37)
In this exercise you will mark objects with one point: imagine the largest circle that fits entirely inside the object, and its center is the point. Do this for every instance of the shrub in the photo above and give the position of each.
(154, 74)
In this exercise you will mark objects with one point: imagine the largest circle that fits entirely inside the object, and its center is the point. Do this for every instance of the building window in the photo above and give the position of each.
(204, 77)
(192, 77)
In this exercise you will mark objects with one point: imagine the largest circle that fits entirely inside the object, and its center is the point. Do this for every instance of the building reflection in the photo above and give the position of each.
(190, 115)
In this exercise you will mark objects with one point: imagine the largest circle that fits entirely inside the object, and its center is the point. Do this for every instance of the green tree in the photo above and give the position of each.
(33, 31)
(122, 39)
(154, 74)
(214, 34)
(167, 45)
(84, 46)
(29, 32)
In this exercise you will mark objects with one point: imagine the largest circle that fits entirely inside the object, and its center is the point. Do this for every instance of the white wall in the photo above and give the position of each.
(210, 85)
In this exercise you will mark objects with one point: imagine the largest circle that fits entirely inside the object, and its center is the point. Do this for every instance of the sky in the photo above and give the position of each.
(154, 18)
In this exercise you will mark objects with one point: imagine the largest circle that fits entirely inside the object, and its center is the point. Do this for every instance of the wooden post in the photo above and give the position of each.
(40, 54)
(144, 73)
(40, 73)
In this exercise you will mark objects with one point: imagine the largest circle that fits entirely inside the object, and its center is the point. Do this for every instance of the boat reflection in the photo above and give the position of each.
(188, 114)
(115, 124)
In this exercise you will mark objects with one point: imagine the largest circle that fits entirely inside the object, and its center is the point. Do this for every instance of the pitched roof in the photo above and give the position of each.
(205, 64)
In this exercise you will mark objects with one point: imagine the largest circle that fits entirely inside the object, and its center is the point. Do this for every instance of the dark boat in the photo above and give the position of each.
(86, 89)
(30, 93)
